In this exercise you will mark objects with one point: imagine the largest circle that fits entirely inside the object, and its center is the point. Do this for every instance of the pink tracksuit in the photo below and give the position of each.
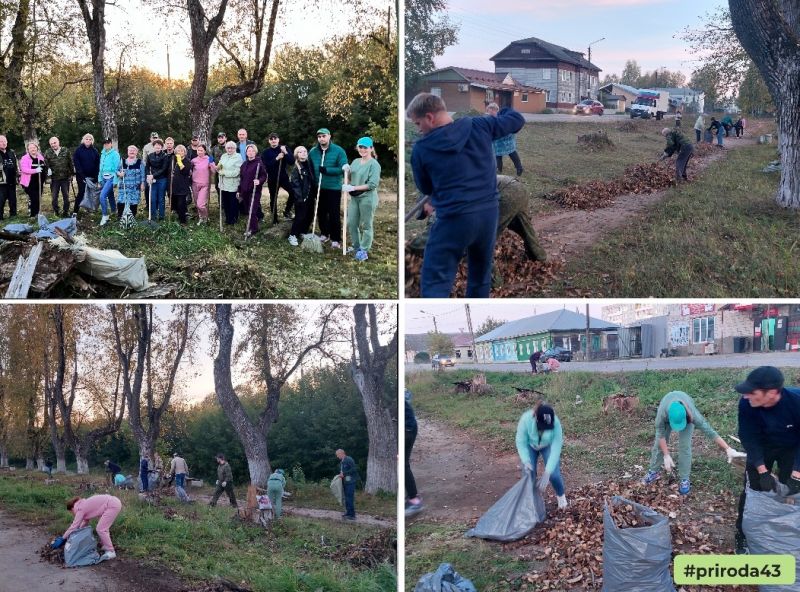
(106, 507)
(201, 179)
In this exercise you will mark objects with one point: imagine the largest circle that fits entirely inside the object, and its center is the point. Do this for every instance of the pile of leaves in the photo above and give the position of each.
(702, 149)
(595, 141)
(638, 178)
(625, 516)
(370, 552)
(51, 555)
(570, 541)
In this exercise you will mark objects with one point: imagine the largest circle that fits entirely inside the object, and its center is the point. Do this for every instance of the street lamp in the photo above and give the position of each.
(589, 85)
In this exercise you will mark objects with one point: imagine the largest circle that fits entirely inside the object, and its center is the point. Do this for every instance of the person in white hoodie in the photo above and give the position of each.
(699, 126)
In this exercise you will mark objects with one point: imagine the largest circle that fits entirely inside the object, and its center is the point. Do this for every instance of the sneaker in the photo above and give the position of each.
(323, 238)
(336, 245)
(349, 249)
(741, 547)
(293, 240)
(103, 220)
(361, 255)
(562, 501)
(349, 517)
(684, 487)
(651, 476)
(413, 509)
(288, 216)
(107, 555)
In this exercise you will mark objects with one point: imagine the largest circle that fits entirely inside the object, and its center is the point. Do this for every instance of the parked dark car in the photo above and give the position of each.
(559, 353)
(588, 107)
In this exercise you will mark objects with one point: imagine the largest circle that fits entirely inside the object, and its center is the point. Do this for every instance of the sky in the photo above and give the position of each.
(304, 24)
(451, 316)
(633, 29)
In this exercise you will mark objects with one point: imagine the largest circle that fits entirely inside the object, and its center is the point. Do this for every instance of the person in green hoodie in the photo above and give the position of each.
(678, 413)
(329, 161)
(539, 434)
(363, 189)
(275, 486)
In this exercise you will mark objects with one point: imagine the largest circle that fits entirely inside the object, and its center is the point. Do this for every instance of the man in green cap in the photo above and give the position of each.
(329, 162)
(514, 203)
(678, 413)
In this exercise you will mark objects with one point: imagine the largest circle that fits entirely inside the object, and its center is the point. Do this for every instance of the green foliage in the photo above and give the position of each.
(708, 80)
(489, 324)
(440, 343)
(631, 74)
(428, 33)
(422, 358)
(754, 96)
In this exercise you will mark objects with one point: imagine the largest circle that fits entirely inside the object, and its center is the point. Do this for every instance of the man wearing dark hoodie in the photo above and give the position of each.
(454, 163)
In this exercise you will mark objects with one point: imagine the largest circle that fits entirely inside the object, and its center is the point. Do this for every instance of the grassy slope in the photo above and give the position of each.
(203, 543)
(597, 447)
(207, 264)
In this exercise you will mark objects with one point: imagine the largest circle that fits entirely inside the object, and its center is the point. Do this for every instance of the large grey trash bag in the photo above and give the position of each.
(337, 489)
(444, 579)
(637, 559)
(772, 526)
(81, 548)
(514, 515)
(91, 195)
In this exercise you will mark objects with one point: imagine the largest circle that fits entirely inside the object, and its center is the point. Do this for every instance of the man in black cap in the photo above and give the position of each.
(191, 151)
(769, 428)
(216, 153)
(278, 160)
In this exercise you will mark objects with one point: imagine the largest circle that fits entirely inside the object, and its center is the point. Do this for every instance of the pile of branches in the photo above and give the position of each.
(370, 552)
(570, 541)
(521, 276)
(638, 178)
(596, 141)
(51, 555)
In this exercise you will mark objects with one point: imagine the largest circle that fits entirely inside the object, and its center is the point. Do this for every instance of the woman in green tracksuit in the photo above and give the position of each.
(678, 413)
(275, 485)
(365, 175)
(539, 433)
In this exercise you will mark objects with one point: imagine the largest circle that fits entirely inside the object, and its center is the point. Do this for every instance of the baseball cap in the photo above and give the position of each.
(545, 418)
(107, 141)
(323, 130)
(153, 135)
(222, 135)
(195, 137)
(274, 136)
(365, 141)
(763, 377)
(677, 416)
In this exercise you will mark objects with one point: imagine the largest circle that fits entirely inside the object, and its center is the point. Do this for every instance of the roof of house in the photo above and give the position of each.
(625, 87)
(562, 54)
(418, 342)
(557, 320)
(684, 91)
(490, 80)
(616, 98)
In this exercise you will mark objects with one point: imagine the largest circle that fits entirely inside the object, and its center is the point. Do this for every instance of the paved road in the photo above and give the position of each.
(564, 117)
(782, 359)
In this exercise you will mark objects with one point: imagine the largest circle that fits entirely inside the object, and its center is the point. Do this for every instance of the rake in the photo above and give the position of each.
(312, 242)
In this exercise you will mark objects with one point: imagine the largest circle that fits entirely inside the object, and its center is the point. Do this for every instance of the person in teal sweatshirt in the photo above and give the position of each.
(539, 433)
(678, 413)
(363, 189)
(110, 162)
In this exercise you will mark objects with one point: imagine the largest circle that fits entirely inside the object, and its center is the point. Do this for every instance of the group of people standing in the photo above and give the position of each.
(313, 179)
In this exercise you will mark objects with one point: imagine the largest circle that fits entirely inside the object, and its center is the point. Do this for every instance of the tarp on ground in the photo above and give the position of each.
(771, 524)
(444, 579)
(48, 229)
(81, 548)
(514, 515)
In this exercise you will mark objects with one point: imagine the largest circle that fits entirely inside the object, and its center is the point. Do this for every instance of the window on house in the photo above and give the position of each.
(489, 95)
(546, 74)
(524, 97)
(435, 90)
(703, 329)
(526, 51)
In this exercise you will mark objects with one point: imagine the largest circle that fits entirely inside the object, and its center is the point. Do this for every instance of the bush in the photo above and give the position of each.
(546, 112)
(422, 358)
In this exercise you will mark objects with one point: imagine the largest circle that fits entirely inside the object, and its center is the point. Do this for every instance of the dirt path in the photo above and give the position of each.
(568, 233)
(23, 569)
(458, 479)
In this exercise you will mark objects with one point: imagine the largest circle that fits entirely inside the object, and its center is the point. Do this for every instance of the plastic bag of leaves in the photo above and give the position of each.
(514, 515)
(636, 559)
(771, 524)
(444, 579)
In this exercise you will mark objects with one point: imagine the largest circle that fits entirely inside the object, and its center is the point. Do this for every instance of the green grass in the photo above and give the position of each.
(597, 447)
(318, 495)
(206, 264)
(203, 543)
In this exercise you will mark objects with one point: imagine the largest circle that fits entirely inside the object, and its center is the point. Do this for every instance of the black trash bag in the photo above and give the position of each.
(514, 515)
(771, 524)
(444, 579)
(637, 559)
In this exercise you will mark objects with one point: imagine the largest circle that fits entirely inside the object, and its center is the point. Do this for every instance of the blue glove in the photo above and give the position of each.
(59, 542)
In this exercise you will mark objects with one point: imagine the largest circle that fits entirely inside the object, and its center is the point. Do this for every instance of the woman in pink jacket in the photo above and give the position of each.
(33, 175)
(202, 167)
(105, 507)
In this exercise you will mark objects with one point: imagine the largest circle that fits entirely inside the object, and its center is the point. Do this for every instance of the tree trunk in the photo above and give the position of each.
(40, 463)
(3, 456)
(61, 463)
(83, 462)
(768, 31)
(29, 464)
(382, 432)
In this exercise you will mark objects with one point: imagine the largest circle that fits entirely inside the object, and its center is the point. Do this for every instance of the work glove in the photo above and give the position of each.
(529, 467)
(224, 484)
(348, 188)
(543, 481)
(323, 170)
(179, 160)
(767, 482)
(346, 168)
(663, 157)
(58, 543)
(217, 482)
(669, 464)
(794, 485)
(732, 453)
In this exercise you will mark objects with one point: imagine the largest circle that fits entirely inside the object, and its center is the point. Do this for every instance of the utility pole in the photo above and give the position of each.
(587, 332)
(589, 77)
(471, 333)
(435, 326)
